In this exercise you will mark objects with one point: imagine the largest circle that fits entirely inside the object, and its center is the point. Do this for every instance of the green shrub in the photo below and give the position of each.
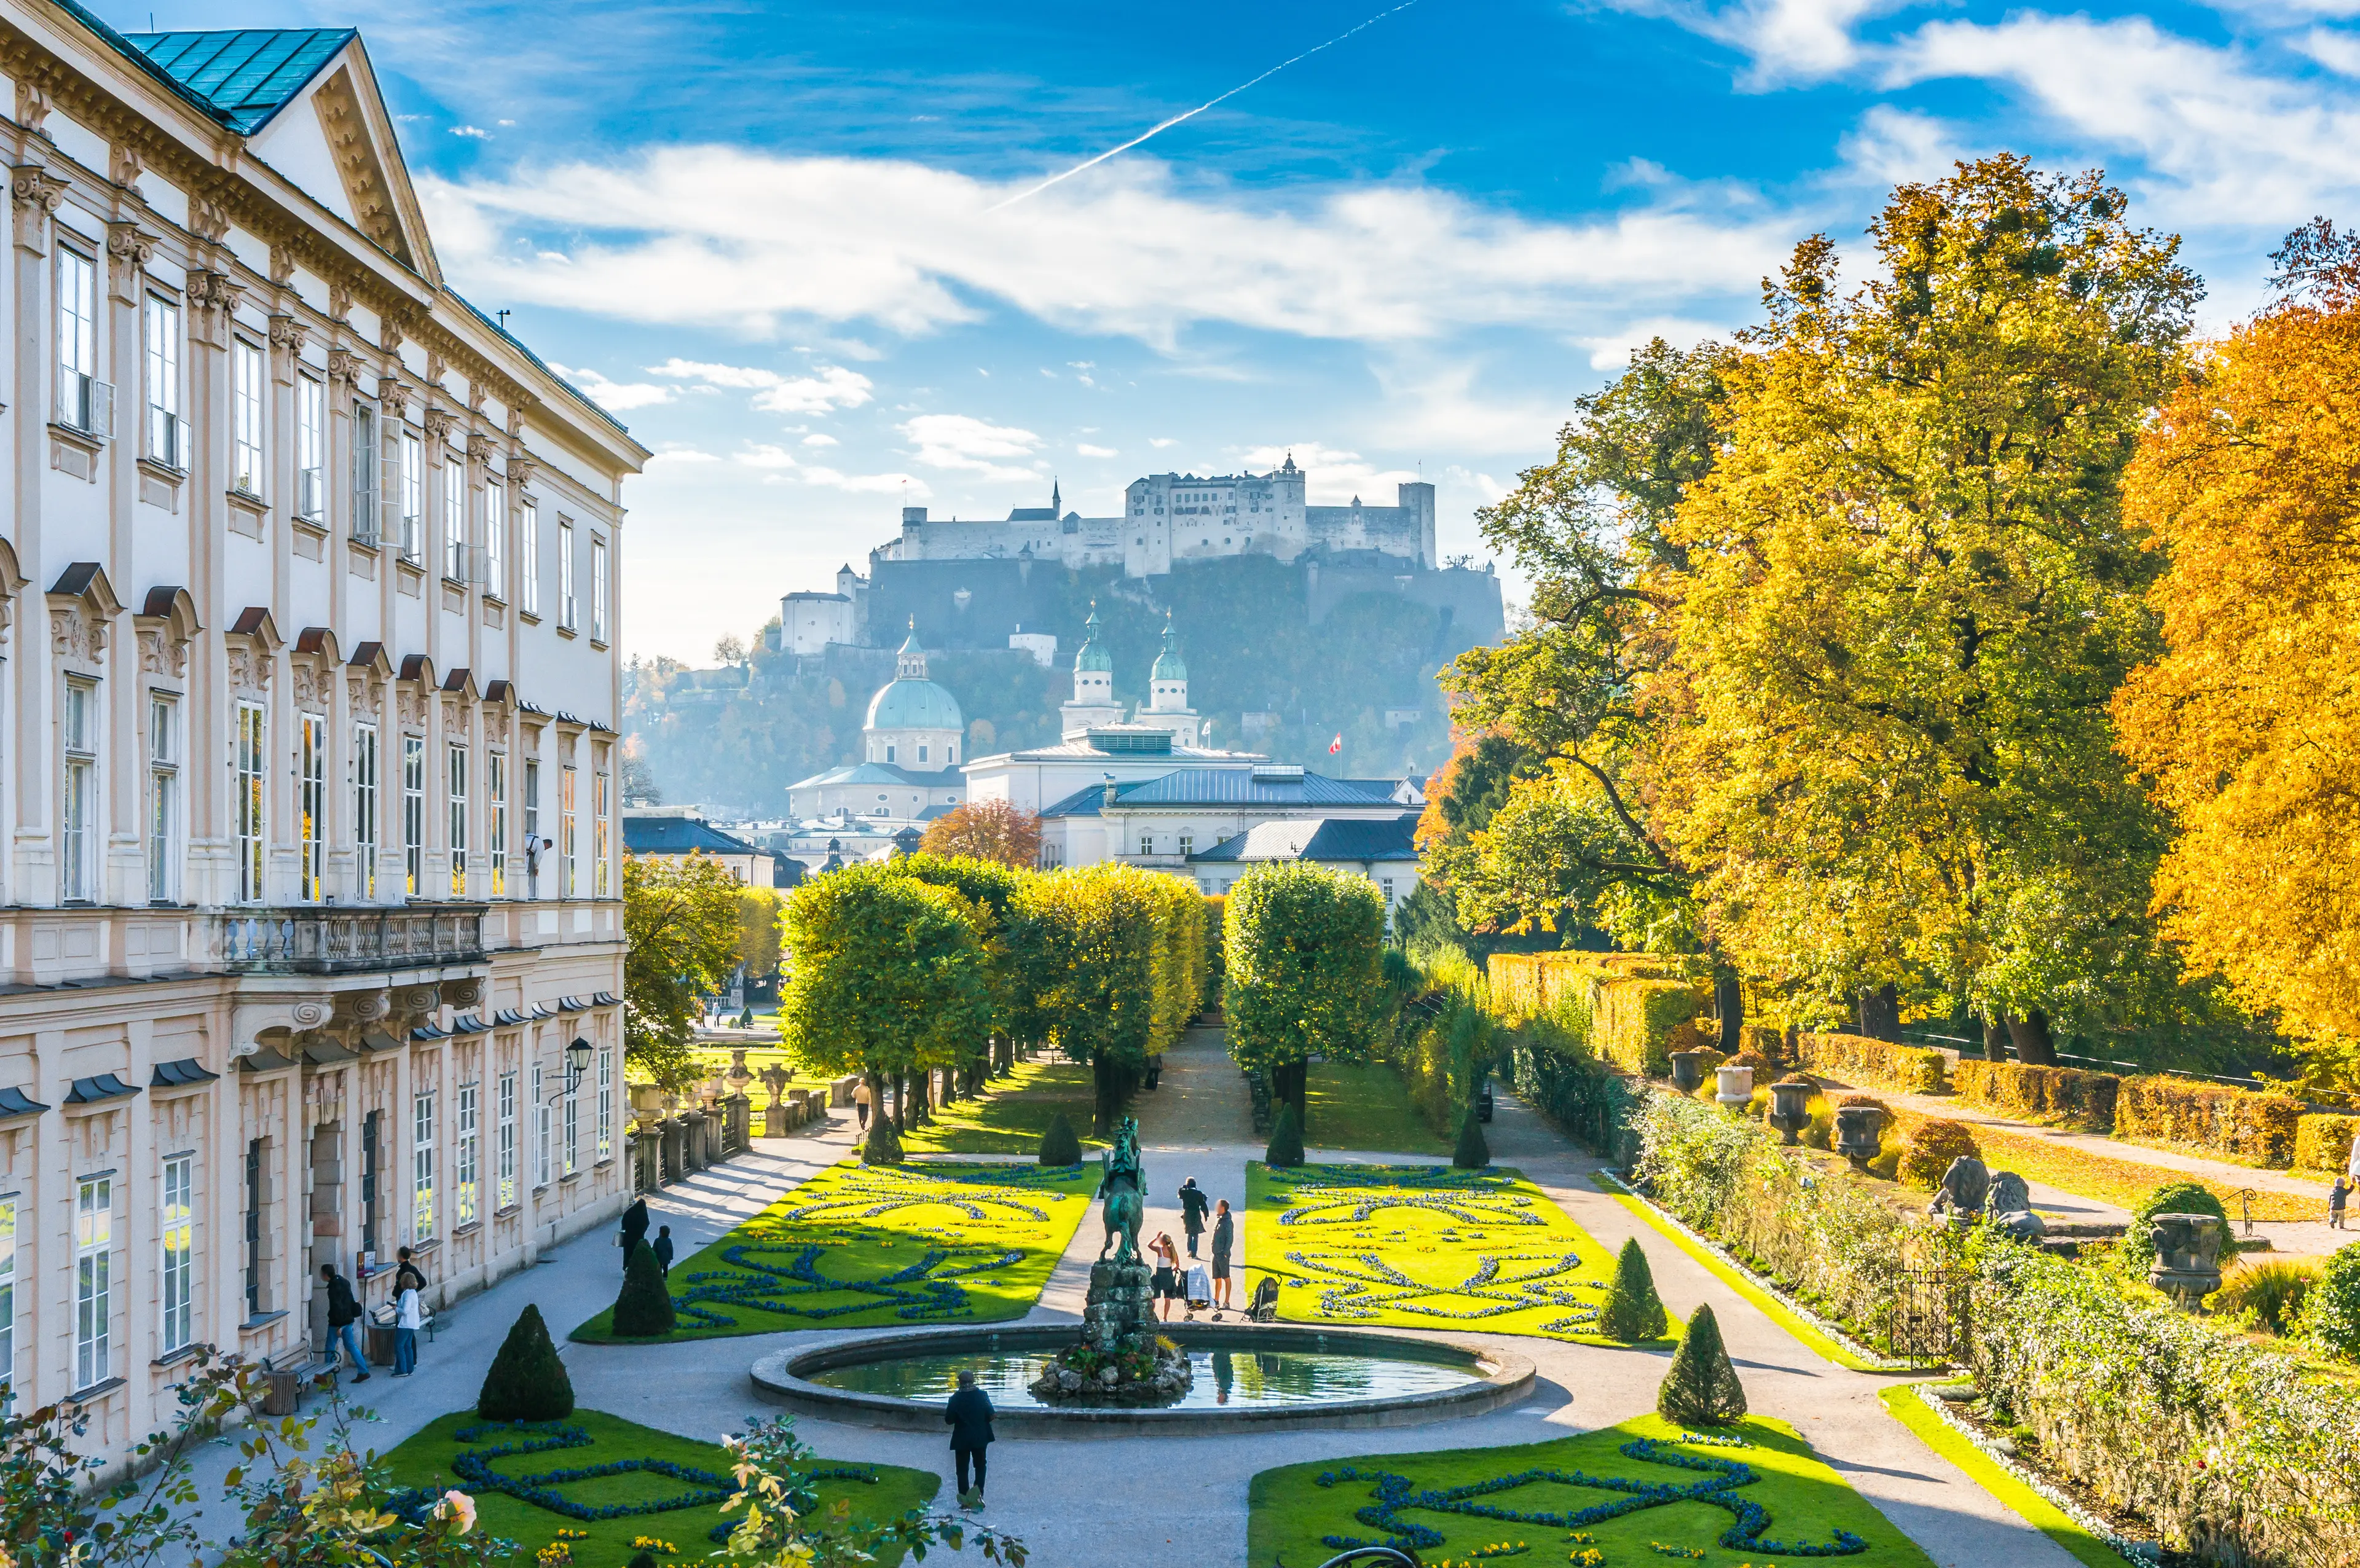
(644, 1309)
(2273, 1292)
(1931, 1149)
(1058, 1144)
(527, 1381)
(2331, 1313)
(2210, 1119)
(1913, 1070)
(2171, 1198)
(2065, 1095)
(1286, 1137)
(642, 1559)
(884, 1145)
(1702, 1389)
(1632, 1310)
(1472, 1153)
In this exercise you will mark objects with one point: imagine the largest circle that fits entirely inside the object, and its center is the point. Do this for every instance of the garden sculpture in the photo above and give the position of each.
(1965, 1185)
(1859, 1132)
(2010, 1206)
(1688, 1071)
(2187, 1265)
(1123, 1187)
(1789, 1113)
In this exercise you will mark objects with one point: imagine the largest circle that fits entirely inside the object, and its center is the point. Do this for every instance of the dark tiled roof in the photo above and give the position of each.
(16, 1103)
(179, 1074)
(1224, 787)
(681, 835)
(247, 74)
(101, 1087)
(1328, 839)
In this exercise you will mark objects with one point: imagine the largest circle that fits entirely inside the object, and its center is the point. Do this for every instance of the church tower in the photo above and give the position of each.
(1167, 694)
(1093, 706)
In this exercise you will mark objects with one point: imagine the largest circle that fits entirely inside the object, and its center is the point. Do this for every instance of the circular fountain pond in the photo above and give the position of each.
(1247, 1376)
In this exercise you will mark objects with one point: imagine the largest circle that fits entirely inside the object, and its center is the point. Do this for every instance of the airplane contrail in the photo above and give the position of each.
(1158, 130)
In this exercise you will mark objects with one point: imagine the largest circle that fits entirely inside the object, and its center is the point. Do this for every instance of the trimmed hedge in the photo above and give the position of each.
(2322, 1141)
(2064, 1096)
(1637, 1024)
(2208, 1118)
(1912, 1069)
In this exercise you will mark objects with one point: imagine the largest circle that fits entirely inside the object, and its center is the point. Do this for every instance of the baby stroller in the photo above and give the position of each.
(1263, 1308)
(1198, 1285)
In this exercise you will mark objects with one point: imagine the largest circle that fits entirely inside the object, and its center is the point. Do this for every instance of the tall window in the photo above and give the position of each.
(540, 1131)
(253, 1192)
(83, 402)
(248, 805)
(597, 588)
(372, 1144)
(180, 1232)
(506, 1150)
(368, 459)
(315, 805)
(168, 441)
(565, 574)
(310, 448)
(455, 515)
(8, 1298)
(569, 1148)
(365, 820)
(496, 793)
(413, 494)
(421, 1166)
(458, 804)
(531, 798)
(245, 382)
(565, 832)
(413, 814)
(78, 848)
(163, 798)
(463, 1147)
(601, 798)
(94, 1294)
(531, 604)
(495, 538)
(605, 1103)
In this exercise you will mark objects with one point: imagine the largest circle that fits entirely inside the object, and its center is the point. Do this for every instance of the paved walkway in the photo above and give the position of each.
(1181, 1502)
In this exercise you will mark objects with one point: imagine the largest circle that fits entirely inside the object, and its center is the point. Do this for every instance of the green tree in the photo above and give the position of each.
(1108, 953)
(527, 1379)
(991, 890)
(1305, 971)
(681, 934)
(758, 932)
(1702, 1389)
(1632, 1310)
(1286, 1147)
(643, 1309)
(1472, 1153)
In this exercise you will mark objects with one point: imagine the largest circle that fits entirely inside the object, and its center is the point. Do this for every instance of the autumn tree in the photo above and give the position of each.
(681, 943)
(986, 829)
(758, 932)
(1305, 971)
(991, 891)
(1112, 979)
(2250, 483)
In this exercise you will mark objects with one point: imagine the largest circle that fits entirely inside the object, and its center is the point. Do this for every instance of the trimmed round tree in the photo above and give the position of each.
(644, 1309)
(1632, 1310)
(1058, 1144)
(527, 1381)
(1303, 955)
(2171, 1198)
(1472, 1153)
(1286, 1137)
(1702, 1389)
(1927, 1158)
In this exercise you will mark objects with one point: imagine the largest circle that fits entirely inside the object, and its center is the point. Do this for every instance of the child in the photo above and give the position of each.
(2335, 1199)
(407, 1321)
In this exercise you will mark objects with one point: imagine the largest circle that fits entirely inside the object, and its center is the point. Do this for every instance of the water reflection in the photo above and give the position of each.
(1223, 1377)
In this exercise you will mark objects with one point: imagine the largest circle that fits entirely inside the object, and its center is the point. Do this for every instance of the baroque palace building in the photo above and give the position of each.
(310, 925)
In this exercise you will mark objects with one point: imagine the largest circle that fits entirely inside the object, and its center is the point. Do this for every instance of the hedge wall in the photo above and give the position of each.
(1571, 1088)
(2322, 1141)
(1910, 1068)
(2237, 1456)
(1634, 1004)
(2210, 1119)
(2066, 1096)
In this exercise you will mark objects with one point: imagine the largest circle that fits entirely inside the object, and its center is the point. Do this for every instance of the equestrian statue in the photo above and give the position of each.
(1123, 1186)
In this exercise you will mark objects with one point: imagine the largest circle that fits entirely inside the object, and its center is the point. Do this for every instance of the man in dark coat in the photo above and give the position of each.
(662, 1244)
(1193, 1204)
(969, 1415)
(635, 1229)
(343, 1311)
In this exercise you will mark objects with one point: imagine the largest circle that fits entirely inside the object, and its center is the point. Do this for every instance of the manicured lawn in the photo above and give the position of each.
(1364, 1104)
(431, 1459)
(2039, 1511)
(877, 1246)
(1297, 1520)
(1423, 1246)
(1012, 1113)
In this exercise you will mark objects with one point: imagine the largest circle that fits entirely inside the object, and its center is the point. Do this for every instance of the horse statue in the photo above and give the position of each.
(1124, 1185)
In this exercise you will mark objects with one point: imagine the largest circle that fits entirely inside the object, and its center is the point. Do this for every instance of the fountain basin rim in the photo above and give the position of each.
(1499, 1376)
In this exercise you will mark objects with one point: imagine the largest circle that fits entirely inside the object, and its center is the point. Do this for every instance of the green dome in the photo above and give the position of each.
(914, 705)
(1168, 664)
(1093, 656)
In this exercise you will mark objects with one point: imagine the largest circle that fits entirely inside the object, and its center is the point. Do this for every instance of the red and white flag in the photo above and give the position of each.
(1336, 746)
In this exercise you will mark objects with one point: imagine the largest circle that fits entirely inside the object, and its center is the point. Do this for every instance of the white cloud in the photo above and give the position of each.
(870, 484)
(1894, 146)
(829, 387)
(1783, 39)
(478, 132)
(1086, 450)
(2338, 51)
(682, 455)
(617, 396)
(819, 438)
(1160, 442)
(1613, 351)
(726, 237)
(962, 442)
(759, 455)
(1333, 476)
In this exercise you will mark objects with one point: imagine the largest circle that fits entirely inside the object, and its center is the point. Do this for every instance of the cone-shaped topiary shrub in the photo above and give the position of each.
(1472, 1153)
(644, 1309)
(1058, 1145)
(1632, 1310)
(1286, 1137)
(1702, 1389)
(884, 1145)
(643, 1559)
(2171, 1198)
(528, 1381)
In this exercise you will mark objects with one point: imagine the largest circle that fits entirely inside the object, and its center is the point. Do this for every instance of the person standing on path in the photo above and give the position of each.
(969, 1415)
(863, 1098)
(1224, 1241)
(635, 1230)
(1166, 1283)
(407, 1320)
(2336, 1196)
(1192, 1211)
(407, 1273)
(663, 1250)
(343, 1311)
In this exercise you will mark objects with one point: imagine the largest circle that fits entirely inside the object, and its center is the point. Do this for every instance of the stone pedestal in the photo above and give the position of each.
(1789, 1100)
(1733, 1087)
(2187, 1265)
(1688, 1071)
(1121, 1359)
(1860, 1133)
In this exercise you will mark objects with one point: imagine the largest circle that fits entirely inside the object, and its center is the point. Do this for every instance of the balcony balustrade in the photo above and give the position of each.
(332, 940)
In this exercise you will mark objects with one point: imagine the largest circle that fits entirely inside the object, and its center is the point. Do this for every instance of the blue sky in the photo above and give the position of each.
(764, 231)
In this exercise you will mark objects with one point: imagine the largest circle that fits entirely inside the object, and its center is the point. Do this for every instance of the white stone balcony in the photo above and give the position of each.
(326, 939)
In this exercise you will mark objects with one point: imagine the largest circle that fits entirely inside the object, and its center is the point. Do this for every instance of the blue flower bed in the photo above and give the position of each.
(1396, 1494)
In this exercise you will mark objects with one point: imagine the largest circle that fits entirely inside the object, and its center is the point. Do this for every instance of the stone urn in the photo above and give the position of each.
(1688, 1071)
(2187, 1265)
(1788, 1100)
(774, 1114)
(1859, 1132)
(1735, 1090)
(647, 1100)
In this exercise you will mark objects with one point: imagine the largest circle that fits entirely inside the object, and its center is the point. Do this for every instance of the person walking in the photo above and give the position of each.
(1165, 1285)
(864, 1099)
(635, 1230)
(1224, 1241)
(408, 1317)
(969, 1415)
(2336, 1197)
(663, 1250)
(1192, 1211)
(343, 1311)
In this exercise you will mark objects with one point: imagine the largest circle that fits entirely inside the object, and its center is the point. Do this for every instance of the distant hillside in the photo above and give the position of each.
(734, 738)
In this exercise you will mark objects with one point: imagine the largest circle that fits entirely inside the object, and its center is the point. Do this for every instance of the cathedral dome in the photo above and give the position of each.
(1093, 655)
(1168, 664)
(910, 700)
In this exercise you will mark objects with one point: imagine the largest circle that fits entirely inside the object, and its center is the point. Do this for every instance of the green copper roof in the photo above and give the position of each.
(1093, 655)
(1168, 664)
(245, 74)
